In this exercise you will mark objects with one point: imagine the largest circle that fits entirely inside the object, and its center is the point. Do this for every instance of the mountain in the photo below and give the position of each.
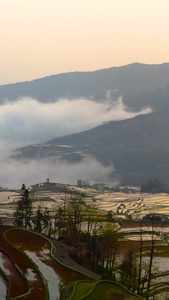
(139, 84)
(138, 147)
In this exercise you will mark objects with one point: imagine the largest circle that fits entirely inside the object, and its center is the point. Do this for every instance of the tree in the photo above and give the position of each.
(74, 209)
(24, 209)
(153, 233)
(108, 247)
(37, 220)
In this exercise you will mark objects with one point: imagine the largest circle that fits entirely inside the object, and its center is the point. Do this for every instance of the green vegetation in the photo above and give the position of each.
(80, 289)
(99, 290)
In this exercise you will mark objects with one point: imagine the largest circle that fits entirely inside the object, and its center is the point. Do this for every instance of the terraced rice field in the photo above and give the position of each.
(29, 268)
(99, 290)
(32, 279)
(136, 204)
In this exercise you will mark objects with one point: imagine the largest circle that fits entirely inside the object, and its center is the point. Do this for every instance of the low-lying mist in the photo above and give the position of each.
(14, 173)
(28, 121)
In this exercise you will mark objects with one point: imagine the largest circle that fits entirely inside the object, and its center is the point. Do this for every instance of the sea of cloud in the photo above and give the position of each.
(28, 121)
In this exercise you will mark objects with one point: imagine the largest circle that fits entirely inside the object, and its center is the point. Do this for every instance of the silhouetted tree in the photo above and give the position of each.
(24, 209)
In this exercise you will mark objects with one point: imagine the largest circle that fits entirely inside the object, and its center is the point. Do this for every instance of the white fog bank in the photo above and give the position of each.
(14, 173)
(28, 121)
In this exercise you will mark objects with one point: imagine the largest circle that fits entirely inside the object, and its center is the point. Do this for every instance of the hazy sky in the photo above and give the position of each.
(45, 37)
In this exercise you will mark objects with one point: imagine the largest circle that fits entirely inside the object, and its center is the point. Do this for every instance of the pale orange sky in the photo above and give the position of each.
(45, 37)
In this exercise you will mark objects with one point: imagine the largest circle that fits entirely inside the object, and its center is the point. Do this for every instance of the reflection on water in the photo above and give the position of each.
(53, 280)
(3, 286)
(3, 289)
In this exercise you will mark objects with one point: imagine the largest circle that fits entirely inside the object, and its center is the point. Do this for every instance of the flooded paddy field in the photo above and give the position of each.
(29, 267)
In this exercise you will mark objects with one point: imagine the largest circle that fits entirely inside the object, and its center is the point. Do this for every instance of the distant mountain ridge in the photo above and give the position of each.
(137, 147)
(139, 84)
